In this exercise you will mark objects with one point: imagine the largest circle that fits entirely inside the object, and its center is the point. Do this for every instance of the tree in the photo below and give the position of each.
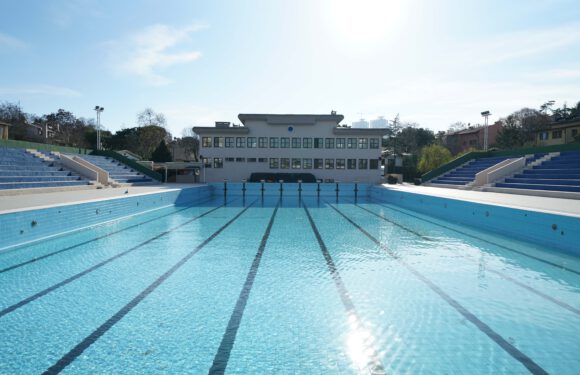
(151, 118)
(432, 157)
(161, 153)
(521, 127)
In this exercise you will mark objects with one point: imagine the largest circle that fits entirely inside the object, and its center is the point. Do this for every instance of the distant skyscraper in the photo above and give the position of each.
(379, 122)
(360, 124)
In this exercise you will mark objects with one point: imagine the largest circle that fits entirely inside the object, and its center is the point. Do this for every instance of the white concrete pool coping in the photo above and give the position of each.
(558, 206)
(16, 203)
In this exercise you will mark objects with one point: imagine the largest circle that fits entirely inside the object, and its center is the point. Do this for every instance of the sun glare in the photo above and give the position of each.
(363, 21)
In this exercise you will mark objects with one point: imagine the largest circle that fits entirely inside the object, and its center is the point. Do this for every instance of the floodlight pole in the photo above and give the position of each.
(485, 114)
(99, 109)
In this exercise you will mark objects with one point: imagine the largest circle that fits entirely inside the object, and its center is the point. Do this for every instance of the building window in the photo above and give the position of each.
(543, 136)
(240, 160)
(229, 142)
(318, 163)
(274, 142)
(262, 160)
(284, 142)
(351, 163)
(374, 143)
(340, 163)
(363, 143)
(329, 143)
(251, 160)
(318, 142)
(240, 142)
(206, 162)
(218, 162)
(556, 134)
(328, 163)
(284, 163)
(263, 142)
(218, 141)
(295, 142)
(574, 132)
(251, 142)
(374, 164)
(206, 142)
(340, 143)
(307, 142)
(229, 160)
(351, 143)
(363, 164)
(296, 164)
(273, 163)
(306, 163)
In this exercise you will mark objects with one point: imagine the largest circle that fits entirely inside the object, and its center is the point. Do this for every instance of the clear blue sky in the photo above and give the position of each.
(433, 62)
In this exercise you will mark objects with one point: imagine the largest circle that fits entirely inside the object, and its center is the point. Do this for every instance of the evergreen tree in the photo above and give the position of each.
(161, 153)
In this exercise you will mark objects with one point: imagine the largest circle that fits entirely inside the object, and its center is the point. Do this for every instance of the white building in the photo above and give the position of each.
(274, 144)
(379, 123)
(360, 124)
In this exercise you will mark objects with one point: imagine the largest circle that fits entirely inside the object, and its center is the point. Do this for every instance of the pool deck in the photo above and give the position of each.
(559, 206)
(39, 200)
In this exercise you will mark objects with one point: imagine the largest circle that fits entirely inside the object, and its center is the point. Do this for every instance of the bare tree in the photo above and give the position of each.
(149, 117)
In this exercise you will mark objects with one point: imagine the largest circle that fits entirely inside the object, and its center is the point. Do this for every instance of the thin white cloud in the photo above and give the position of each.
(8, 41)
(151, 51)
(522, 44)
(43, 90)
(65, 13)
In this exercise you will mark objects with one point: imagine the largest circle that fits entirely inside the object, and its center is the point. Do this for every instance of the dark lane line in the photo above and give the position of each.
(67, 359)
(15, 266)
(559, 266)
(499, 273)
(54, 287)
(375, 366)
(220, 361)
(532, 366)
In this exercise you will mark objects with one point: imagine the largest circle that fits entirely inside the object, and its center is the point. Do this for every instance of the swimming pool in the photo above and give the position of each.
(288, 285)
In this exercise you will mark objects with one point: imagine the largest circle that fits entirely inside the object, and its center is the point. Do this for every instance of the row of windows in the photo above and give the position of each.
(556, 134)
(295, 163)
(287, 142)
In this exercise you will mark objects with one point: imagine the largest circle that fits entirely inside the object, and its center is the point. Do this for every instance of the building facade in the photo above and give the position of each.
(559, 133)
(379, 122)
(270, 143)
(472, 137)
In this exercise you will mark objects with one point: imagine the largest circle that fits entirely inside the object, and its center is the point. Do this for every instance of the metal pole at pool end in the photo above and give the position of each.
(225, 189)
(355, 191)
(336, 189)
(262, 188)
(299, 191)
(318, 188)
(281, 186)
(244, 187)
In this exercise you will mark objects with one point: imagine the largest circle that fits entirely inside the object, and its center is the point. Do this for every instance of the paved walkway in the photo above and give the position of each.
(43, 200)
(560, 206)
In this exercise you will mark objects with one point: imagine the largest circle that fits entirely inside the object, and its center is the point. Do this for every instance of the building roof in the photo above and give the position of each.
(281, 119)
(5, 123)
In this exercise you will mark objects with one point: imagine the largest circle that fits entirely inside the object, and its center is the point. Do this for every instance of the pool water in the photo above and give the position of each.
(288, 286)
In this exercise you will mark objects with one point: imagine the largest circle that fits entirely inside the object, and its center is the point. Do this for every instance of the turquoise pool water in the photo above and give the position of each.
(288, 286)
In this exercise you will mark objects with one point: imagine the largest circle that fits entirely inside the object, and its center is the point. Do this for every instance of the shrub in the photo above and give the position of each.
(433, 156)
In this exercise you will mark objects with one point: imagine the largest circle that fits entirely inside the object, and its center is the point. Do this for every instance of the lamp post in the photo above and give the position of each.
(485, 114)
(99, 109)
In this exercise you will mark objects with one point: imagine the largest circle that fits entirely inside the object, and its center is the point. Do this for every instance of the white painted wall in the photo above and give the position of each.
(236, 171)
